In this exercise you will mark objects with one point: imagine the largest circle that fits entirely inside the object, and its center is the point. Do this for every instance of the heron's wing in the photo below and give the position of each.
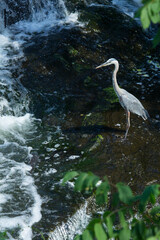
(132, 104)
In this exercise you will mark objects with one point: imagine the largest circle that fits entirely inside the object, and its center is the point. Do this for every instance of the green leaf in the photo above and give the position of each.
(145, 2)
(125, 193)
(79, 184)
(110, 214)
(90, 226)
(68, 176)
(102, 192)
(152, 199)
(86, 181)
(155, 18)
(109, 224)
(149, 194)
(152, 238)
(156, 39)
(139, 230)
(87, 235)
(125, 234)
(3, 236)
(138, 13)
(153, 12)
(91, 181)
(78, 237)
(99, 232)
(154, 211)
(145, 18)
(109, 218)
(122, 219)
(155, 6)
(115, 200)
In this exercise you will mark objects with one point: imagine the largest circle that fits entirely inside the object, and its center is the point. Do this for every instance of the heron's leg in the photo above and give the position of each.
(128, 123)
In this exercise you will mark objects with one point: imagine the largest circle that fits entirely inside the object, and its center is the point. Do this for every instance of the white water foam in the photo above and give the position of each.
(45, 15)
(28, 216)
(20, 203)
(26, 28)
(74, 225)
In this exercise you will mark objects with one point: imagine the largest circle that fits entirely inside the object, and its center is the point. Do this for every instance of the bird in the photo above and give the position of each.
(128, 101)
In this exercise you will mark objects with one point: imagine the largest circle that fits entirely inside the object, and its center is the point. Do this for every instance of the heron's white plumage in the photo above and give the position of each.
(128, 101)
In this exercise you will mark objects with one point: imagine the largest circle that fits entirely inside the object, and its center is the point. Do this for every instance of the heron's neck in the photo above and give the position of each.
(114, 78)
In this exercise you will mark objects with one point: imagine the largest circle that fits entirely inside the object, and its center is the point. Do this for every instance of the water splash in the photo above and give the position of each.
(20, 204)
(74, 225)
(3, 6)
(41, 10)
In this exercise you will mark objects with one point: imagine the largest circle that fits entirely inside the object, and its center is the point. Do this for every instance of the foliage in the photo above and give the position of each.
(150, 13)
(128, 216)
(3, 236)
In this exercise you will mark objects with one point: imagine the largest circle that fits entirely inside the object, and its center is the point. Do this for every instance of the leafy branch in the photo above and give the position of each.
(128, 216)
(150, 13)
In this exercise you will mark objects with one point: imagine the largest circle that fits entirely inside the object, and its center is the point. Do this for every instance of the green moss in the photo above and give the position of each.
(98, 138)
(79, 67)
(72, 51)
(89, 83)
(111, 95)
(92, 119)
(94, 19)
(97, 142)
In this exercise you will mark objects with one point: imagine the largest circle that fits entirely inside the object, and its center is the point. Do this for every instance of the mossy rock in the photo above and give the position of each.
(72, 51)
(111, 96)
(95, 118)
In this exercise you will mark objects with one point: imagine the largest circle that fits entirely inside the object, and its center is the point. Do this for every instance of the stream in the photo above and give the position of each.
(47, 131)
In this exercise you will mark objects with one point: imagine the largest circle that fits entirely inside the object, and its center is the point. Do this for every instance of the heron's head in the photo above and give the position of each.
(109, 62)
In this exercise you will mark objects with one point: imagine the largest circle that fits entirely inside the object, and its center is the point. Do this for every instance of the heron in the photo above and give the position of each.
(129, 102)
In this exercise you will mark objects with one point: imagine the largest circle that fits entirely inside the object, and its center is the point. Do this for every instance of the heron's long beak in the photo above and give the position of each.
(102, 65)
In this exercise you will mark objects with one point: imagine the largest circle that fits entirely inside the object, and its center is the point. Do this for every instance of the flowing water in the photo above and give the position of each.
(20, 203)
(33, 158)
(129, 7)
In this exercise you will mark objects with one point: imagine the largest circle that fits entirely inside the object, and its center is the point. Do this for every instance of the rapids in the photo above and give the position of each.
(20, 203)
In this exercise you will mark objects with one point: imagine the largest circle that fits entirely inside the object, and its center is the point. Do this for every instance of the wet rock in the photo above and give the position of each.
(79, 5)
(60, 68)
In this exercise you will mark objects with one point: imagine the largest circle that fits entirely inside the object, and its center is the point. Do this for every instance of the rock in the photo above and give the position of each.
(64, 61)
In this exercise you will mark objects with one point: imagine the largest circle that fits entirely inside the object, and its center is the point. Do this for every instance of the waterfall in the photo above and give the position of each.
(3, 6)
(34, 11)
(73, 226)
(20, 202)
(42, 9)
